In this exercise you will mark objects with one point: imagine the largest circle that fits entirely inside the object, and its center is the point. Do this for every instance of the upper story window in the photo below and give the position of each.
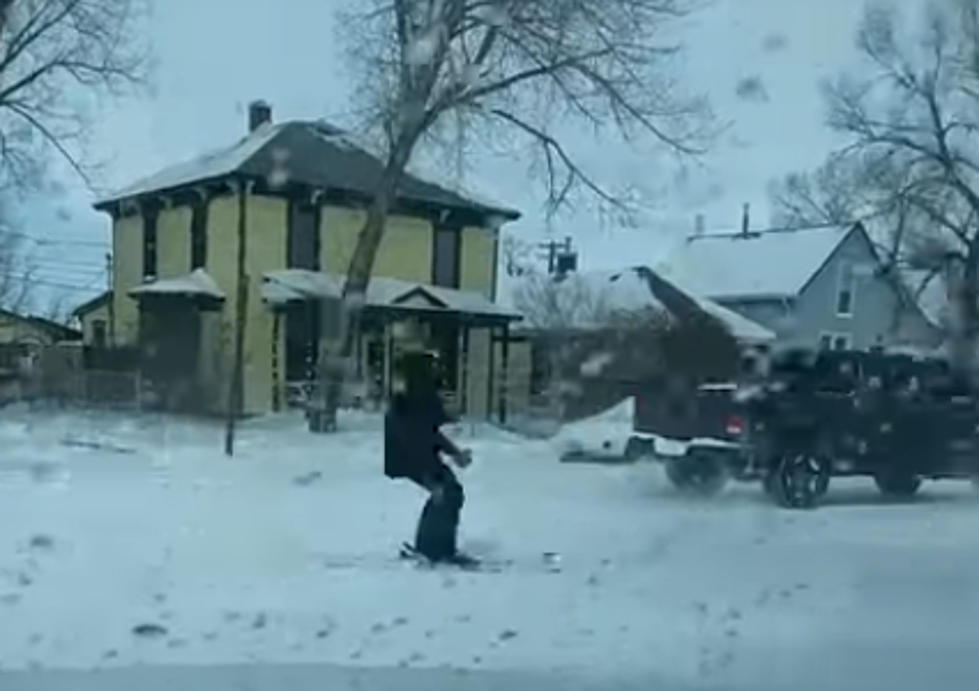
(303, 237)
(846, 290)
(150, 243)
(198, 235)
(447, 256)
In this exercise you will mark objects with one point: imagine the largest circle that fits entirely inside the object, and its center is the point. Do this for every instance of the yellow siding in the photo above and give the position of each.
(267, 233)
(478, 376)
(88, 322)
(127, 273)
(478, 255)
(405, 251)
(173, 242)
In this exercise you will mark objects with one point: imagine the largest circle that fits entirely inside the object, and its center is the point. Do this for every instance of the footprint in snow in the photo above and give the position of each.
(41, 543)
(150, 631)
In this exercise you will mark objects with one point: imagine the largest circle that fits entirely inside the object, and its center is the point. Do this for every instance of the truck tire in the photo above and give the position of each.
(701, 472)
(638, 448)
(801, 480)
(897, 485)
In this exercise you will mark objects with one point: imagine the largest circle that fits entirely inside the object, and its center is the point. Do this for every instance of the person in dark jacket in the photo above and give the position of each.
(414, 446)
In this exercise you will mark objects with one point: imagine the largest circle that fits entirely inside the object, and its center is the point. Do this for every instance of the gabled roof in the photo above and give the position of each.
(316, 154)
(92, 305)
(775, 263)
(582, 300)
(58, 331)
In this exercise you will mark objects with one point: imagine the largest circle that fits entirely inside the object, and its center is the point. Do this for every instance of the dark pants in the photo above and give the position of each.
(439, 520)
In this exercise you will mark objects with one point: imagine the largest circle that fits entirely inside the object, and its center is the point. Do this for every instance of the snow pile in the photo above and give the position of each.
(284, 556)
(603, 436)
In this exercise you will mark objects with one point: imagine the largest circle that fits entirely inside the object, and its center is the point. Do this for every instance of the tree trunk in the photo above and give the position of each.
(964, 336)
(333, 360)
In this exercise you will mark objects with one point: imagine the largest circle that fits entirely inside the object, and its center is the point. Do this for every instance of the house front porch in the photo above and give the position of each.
(177, 318)
(469, 333)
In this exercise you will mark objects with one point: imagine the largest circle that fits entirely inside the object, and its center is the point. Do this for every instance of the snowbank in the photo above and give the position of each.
(601, 437)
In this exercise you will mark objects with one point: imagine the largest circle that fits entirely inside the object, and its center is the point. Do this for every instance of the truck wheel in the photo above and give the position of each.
(801, 481)
(701, 472)
(897, 485)
(638, 448)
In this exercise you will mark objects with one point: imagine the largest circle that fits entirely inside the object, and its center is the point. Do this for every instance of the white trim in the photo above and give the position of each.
(844, 267)
(833, 337)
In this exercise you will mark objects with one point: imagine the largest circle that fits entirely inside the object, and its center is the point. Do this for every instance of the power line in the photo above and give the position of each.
(52, 242)
(34, 280)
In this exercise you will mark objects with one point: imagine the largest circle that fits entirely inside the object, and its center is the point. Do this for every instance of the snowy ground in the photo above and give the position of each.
(131, 545)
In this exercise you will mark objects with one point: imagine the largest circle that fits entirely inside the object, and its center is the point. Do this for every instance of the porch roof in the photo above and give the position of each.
(297, 285)
(197, 283)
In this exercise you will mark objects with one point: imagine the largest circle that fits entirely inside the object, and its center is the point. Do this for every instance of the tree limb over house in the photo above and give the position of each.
(911, 161)
(516, 67)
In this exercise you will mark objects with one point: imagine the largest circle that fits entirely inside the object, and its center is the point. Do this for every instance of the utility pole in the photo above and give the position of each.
(553, 250)
(236, 390)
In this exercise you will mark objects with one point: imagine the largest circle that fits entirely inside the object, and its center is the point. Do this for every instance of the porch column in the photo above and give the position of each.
(504, 372)
(276, 361)
(389, 341)
(463, 365)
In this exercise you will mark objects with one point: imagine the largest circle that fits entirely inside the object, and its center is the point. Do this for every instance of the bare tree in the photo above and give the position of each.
(57, 59)
(517, 256)
(549, 303)
(911, 162)
(833, 194)
(15, 270)
(507, 66)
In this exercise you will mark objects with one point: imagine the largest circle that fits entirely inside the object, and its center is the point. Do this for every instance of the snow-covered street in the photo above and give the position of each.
(130, 542)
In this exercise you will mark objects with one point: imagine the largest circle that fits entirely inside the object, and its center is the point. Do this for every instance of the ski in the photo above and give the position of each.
(407, 557)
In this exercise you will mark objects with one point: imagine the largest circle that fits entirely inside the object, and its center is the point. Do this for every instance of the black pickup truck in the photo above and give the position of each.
(895, 418)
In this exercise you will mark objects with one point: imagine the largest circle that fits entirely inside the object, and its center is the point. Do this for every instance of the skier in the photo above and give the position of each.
(413, 449)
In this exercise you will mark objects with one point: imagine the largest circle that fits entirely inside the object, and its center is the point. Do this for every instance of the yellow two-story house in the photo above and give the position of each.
(292, 197)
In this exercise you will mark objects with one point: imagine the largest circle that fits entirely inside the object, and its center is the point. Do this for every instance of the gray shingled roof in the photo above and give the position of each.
(311, 153)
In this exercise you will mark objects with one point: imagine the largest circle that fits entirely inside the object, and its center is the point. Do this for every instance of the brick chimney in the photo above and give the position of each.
(259, 113)
(746, 220)
(699, 224)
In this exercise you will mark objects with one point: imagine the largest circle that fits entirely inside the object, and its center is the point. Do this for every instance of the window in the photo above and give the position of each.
(303, 238)
(845, 291)
(150, 217)
(99, 331)
(446, 256)
(835, 341)
(198, 236)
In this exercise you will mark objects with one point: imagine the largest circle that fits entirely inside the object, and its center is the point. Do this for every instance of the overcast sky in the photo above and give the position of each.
(215, 56)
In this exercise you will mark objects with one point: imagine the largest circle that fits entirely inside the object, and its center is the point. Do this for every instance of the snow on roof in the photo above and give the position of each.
(298, 284)
(197, 282)
(313, 153)
(581, 300)
(770, 263)
(213, 164)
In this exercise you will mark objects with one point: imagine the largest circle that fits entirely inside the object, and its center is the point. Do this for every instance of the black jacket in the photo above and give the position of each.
(413, 441)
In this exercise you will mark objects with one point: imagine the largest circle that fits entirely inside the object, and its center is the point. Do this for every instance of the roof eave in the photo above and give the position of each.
(753, 297)
(107, 203)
